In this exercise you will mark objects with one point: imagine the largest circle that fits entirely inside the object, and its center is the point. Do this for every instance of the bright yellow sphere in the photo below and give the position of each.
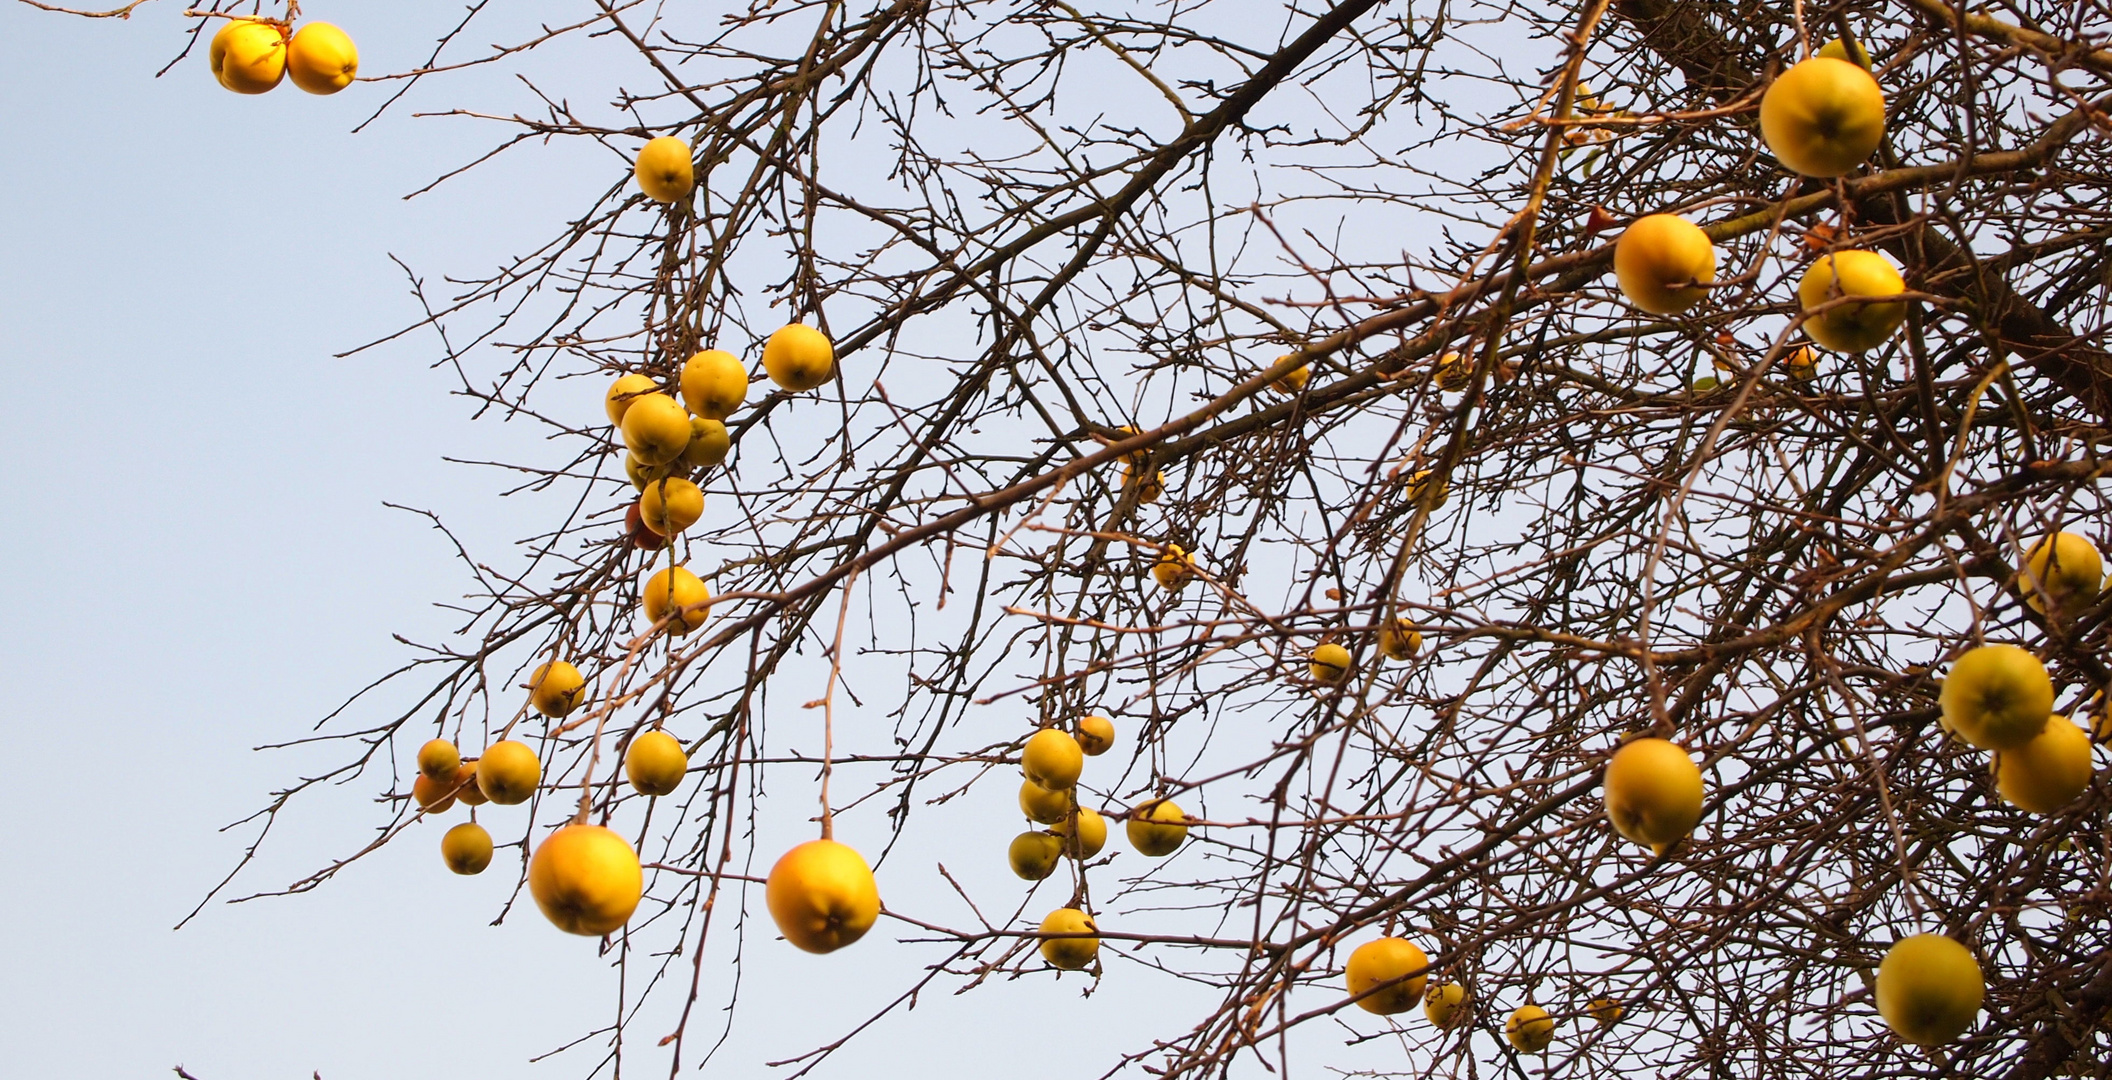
(1092, 834)
(674, 591)
(1801, 364)
(1929, 989)
(656, 429)
(714, 383)
(626, 389)
(1294, 380)
(1445, 1005)
(465, 784)
(1330, 663)
(1453, 372)
(556, 688)
(1530, 1029)
(1838, 50)
(2048, 772)
(665, 171)
(1997, 697)
(1174, 570)
(1856, 325)
(1070, 954)
(1657, 260)
(1034, 855)
(252, 56)
(1823, 117)
(822, 896)
(321, 59)
(1382, 961)
(799, 357)
(508, 773)
(1095, 735)
(586, 879)
(1606, 1011)
(670, 505)
(439, 759)
(655, 763)
(708, 444)
(1155, 828)
(1398, 643)
(466, 849)
(433, 796)
(1653, 792)
(1043, 806)
(1053, 759)
(2066, 567)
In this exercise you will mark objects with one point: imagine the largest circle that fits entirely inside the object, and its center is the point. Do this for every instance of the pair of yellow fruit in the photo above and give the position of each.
(1662, 260)
(1331, 663)
(251, 56)
(2000, 698)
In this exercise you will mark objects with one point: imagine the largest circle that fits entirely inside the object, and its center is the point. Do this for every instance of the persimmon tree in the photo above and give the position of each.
(1322, 297)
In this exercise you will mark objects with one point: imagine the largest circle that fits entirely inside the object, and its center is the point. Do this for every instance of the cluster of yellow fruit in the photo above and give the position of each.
(250, 56)
(1821, 118)
(1391, 975)
(1331, 663)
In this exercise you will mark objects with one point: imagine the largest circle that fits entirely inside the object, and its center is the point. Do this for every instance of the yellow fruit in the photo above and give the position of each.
(1454, 372)
(642, 475)
(434, 796)
(656, 429)
(1070, 953)
(664, 170)
(822, 896)
(670, 505)
(1653, 792)
(1135, 458)
(1398, 642)
(1095, 735)
(1929, 989)
(1174, 570)
(556, 688)
(1823, 117)
(216, 53)
(655, 763)
(674, 591)
(1034, 855)
(1148, 490)
(439, 759)
(1052, 759)
(1657, 260)
(1801, 364)
(1330, 663)
(465, 785)
(586, 879)
(1445, 1005)
(1420, 481)
(626, 389)
(1043, 806)
(1838, 50)
(1855, 325)
(321, 59)
(799, 357)
(252, 56)
(1293, 380)
(1092, 834)
(466, 849)
(1155, 827)
(1530, 1029)
(508, 773)
(1383, 961)
(1606, 1011)
(2065, 567)
(2048, 772)
(1998, 697)
(714, 383)
(708, 444)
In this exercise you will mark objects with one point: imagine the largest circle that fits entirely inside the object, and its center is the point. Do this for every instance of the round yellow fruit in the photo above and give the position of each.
(1997, 697)
(466, 849)
(586, 879)
(1095, 735)
(1174, 570)
(799, 357)
(1823, 117)
(1606, 1011)
(1384, 961)
(642, 475)
(1155, 828)
(556, 688)
(1658, 259)
(1801, 364)
(1854, 325)
(1454, 372)
(1445, 1005)
(665, 171)
(656, 429)
(1034, 855)
(1929, 989)
(670, 505)
(1530, 1029)
(434, 796)
(508, 773)
(1838, 50)
(1053, 759)
(626, 389)
(1398, 643)
(1653, 792)
(2048, 772)
(708, 444)
(822, 896)
(1043, 806)
(1418, 483)
(321, 59)
(1148, 491)
(1330, 663)
(2065, 567)
(466, 788)
(714, 383)
(675, 594)
(252, 56)
(1293, 380)
(1069, 953)
(1092, 834)
(655, 763)
(439, 759)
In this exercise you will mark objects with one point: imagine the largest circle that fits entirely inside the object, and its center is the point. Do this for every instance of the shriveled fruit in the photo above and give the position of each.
(556, 688)
(1658, 260)
(439, 759)
(670, 505)
(626, 389)
(1095, 735)
(1034, 855)
(655, 429)
(2064, 568)
(665, 170)
(638, 533)
(1929, 989)
(1530, 1029)
(1997, 697)
(321, 58)
(2048, 772)
(1387, 960)
(1069, 953)
(714, 383)
(1052, 758)
(675, 594)
(1653, 792)
(655, 763)
(799, 357)
(1823, 117)
(1092, 834)
(1330, 663)
(822, 896)
(1156, 828)
(1445, 1005)
(586, 879)
(1041, 805)
(466, 849)
(1861, 286)
(508, 773)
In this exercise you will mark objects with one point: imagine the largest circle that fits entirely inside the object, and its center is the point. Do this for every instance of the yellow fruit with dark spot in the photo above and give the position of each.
(1530, 1029)
(626, 389)
(508, 773)
(252, 56)
(1034, 855)
(439, 759)
(1997, 697)
(2048, 772)
(1330, 663)
(586, 879)
(822, 896)
(665, 171)
(556, 688)
(1606, 1011)
(670, 505)
(1053, 759)
(675, 594)
(1653, 792)
(714, 383)
(1823, 117)
(656, 429)
(1398, 643)
(1384, 961)
(1929, 989)
(2065, 567)
(1069, 953)
(1095, 735)
(466, 849)
(321, 59)
(1041, 805)
(1156, 828)
(1658, 259)
(708, 444)
(1445, 1005)
(799, 357)
(1852, 324)
(1174, 570)
(434, 796)
(1092, 834)
(655, 763)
